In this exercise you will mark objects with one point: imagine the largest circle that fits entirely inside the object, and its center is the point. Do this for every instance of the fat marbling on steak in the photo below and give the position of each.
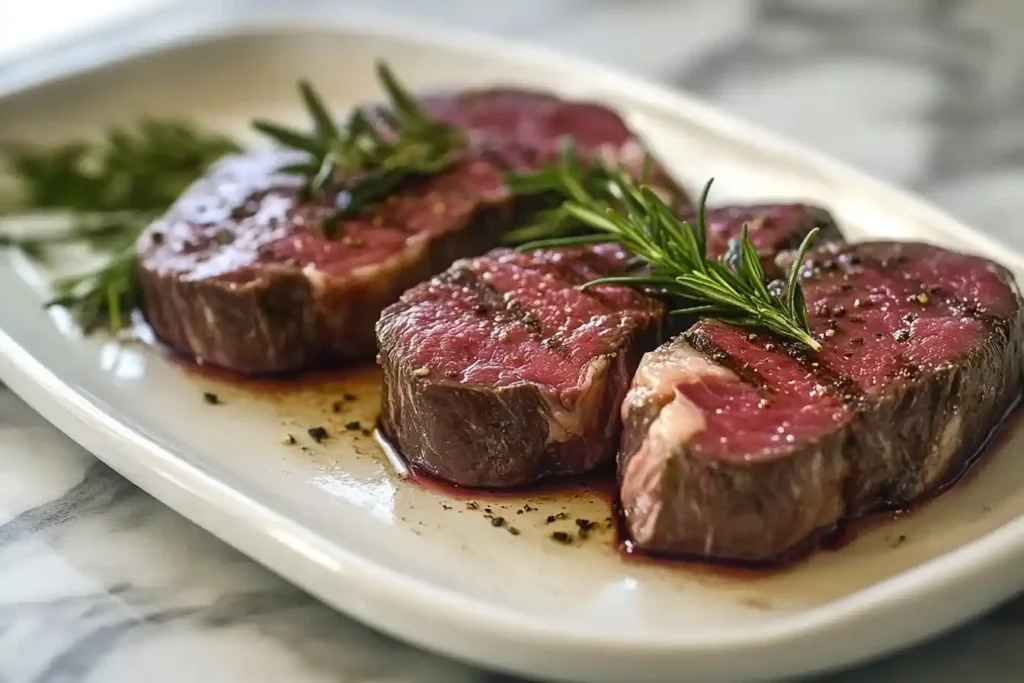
(501, 372)
(738, 447)
(238, 275)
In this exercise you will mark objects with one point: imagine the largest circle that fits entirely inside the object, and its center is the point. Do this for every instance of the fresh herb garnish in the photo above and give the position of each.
(731, 289)
(566, 180)
(372, 154)
(111, 189)
(104, 297)
(143, 168)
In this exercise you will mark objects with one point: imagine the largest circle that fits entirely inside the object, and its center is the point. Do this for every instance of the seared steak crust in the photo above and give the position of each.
(739, 447)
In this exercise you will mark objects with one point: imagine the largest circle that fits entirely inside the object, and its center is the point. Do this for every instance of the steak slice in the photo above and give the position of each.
(500, 372)
(738, 447)
(238, 275)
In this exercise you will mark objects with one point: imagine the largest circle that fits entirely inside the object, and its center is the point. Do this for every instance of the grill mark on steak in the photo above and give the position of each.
(847, 390)
(728, 361)
(584, 267)
(489, 300)
(839, 258)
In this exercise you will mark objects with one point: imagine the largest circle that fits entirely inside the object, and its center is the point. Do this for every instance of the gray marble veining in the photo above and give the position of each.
(99, 582)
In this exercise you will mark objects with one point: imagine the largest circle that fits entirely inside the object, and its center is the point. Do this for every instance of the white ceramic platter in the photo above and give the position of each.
(412, 562)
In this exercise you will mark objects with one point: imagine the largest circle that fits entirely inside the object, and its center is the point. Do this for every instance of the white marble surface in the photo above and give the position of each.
(99, 582)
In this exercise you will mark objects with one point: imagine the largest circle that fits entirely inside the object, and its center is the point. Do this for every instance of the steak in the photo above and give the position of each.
(501, 372)
(238, 275)
(737, 446)
(534, 123)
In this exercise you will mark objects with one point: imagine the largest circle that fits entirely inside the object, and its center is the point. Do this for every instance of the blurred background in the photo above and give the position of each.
(928, 94)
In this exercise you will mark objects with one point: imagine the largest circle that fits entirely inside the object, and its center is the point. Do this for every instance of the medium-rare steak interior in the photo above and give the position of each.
(737, 446)
(501, 371)
(239, 274)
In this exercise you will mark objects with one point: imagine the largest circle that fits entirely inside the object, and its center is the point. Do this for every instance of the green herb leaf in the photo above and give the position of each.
(322, 119)
(646, 281)
(142, 168)
(404, 103)
(792, 296)
(105, 297)
(289, 137)
(568, 179)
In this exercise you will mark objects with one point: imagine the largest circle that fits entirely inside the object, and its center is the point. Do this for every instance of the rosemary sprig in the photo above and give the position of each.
(108, 191)
(731, 289)
(565, 180)
(143, 168)
(105, 297)
(373, 154)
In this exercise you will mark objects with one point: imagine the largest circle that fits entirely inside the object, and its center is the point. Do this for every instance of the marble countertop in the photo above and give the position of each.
(99, 582)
